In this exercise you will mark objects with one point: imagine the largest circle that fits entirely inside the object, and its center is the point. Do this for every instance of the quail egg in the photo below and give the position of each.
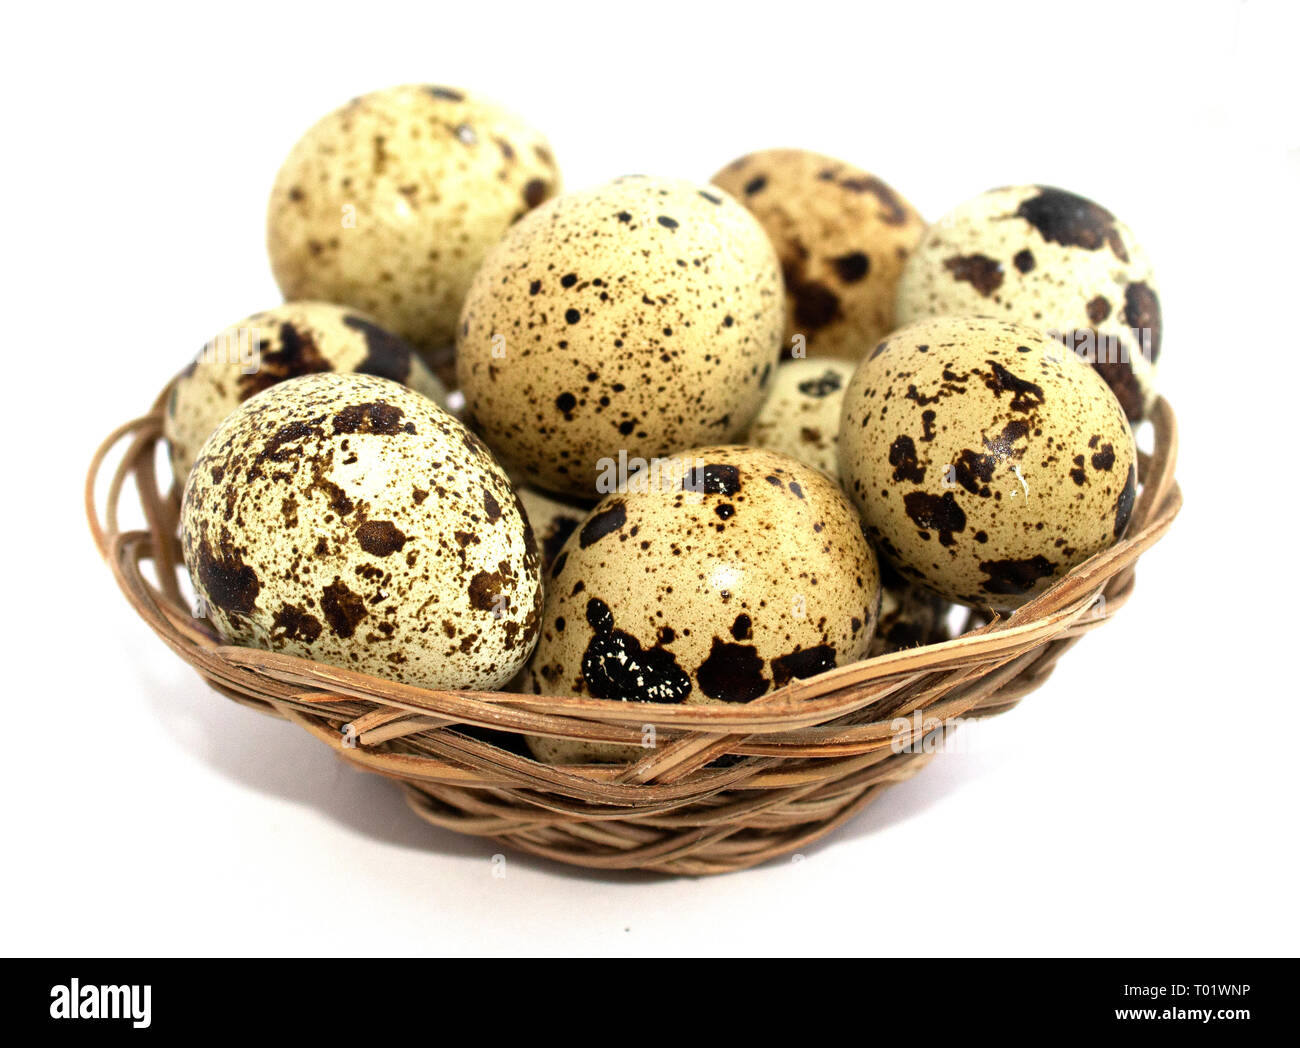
(389, 203)
(801, 416)
(842, 236)
(720, 575)
(553, 520)
(641, 317)
(298, 338)
(987, 459)
(909, 616)
(347, 519)
(1052, 260)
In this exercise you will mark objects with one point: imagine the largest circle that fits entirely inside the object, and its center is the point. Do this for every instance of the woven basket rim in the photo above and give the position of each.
(809, 754)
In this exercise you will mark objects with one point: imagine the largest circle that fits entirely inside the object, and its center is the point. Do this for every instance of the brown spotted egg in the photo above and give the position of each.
(1051, 260)
(643, 317)
(347, 519)
(298, 338)
(718, 576)
(987, 460)
(842, 236)
(552, 519)
(909, 616)
(801, 416)
(389, 203)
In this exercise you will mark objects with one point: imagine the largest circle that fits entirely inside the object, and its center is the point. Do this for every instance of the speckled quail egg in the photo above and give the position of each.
(801, 416)
(717, 576)
(642, 316)
(909, 615)
(986, 458)
(842, 236)
(1054, 261)
(553, 520)
(297, 338)
(349, 520)
(389, 203)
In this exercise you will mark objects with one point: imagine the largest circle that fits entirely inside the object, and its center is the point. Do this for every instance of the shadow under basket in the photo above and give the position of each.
(726, 787)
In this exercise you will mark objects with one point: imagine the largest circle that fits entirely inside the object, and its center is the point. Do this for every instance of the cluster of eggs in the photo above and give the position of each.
(688, 419)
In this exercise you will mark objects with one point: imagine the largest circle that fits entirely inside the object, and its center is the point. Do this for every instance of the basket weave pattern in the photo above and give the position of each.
(801, 761)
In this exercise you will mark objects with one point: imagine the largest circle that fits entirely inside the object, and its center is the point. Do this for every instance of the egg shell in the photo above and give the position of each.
(389, 203)
(641, 316)
(553, 520)
(347, 519)
(842, 235)
(297, 338)
(1054, 261)
(909, 615)
(986, 459)
(734, 572)
(801, 416)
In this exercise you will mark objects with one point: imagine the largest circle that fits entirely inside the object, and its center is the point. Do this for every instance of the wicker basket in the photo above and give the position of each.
(727, 787)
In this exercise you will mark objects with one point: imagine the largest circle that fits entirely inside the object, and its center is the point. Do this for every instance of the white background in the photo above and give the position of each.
(1143, 801)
